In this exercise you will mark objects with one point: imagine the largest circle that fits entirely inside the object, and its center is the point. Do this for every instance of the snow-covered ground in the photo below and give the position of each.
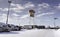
(32, 33)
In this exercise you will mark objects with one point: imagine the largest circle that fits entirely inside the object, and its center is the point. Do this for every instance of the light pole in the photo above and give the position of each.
(32, 13)
(55, 21)
(8, 12)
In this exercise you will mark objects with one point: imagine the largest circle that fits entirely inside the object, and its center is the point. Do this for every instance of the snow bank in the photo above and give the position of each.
(33, 33)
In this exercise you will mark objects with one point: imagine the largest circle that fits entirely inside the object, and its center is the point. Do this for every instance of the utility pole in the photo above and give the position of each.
(8, 12)
(31, 12)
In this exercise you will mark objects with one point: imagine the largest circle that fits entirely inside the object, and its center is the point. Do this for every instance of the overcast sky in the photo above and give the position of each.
(45, 11)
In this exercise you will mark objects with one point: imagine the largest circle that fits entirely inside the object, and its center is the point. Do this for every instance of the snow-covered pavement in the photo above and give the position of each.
(32, 33)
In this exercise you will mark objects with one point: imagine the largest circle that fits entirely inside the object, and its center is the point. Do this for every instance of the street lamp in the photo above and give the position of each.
(8, 12)
(32, 13)
(55, 21)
